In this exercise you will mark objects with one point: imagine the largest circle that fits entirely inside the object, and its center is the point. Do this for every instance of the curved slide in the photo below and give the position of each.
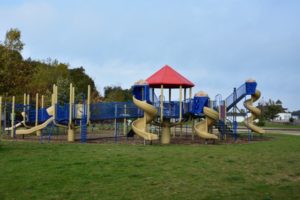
(50, 111)
(255, 112)
(35, 128)
(201, 128)
(139, 125)
(15, 126)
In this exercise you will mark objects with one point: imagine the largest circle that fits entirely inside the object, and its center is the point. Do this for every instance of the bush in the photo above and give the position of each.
(261, 122)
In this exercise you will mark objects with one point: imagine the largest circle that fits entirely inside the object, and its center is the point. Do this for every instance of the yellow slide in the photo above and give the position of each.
(201, 128)
(15, 126)
(139, 125)
(35, 128)
(255, 112)
(50, 111)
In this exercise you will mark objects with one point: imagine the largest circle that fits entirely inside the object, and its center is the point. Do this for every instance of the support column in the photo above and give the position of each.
(161, 103)
(12, 133)
(166, 132)
(71, 137)
(25, 104)
(38, 132)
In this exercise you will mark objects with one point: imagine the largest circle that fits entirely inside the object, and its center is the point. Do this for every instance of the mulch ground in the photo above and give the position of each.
(107, 136)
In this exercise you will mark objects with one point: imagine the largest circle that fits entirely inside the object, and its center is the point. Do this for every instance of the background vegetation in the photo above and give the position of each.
(19, 75)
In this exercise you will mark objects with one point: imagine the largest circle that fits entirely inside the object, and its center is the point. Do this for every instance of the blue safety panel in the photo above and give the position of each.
(62, 113)
(188, 105)
(172, 109)
(83, 127)
(114, 110)
(250, 87)
(142, 92)
(42, 115)
(198, 105)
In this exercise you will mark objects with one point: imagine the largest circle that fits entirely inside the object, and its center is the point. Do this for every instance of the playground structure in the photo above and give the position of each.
(147, 110)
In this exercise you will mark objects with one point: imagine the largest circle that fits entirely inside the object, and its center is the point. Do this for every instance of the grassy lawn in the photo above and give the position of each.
(262, 170)
(275, 125)
(281, 125)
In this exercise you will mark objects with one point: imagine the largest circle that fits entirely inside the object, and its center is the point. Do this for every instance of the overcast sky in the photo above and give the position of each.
(214, 43)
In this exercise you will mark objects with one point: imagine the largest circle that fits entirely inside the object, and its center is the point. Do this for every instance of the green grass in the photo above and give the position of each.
(275, 125)
(261, 170)
(281, 125)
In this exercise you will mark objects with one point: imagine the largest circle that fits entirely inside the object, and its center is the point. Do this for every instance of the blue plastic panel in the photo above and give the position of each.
(250, 88)
(198, 105)
(141, 92)
(114, 110)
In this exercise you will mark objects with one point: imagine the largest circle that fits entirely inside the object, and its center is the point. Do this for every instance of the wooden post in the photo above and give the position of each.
(36, 108)
(28, 107)
(70, 105)
(54, 100)
(190, 108)
(70, 128)
(38, 132)
(161, 103)
(12, 133)
(28, 99)
(24, 103)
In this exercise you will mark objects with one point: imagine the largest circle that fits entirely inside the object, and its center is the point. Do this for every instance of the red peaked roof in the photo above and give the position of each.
(169, 78)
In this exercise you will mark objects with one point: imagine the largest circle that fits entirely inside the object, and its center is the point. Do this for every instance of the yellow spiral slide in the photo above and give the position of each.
(201, 128)
(139, 126)
(255, 112)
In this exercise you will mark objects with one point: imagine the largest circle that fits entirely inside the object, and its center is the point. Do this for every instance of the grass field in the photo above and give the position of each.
(262, 170)
(281, 125)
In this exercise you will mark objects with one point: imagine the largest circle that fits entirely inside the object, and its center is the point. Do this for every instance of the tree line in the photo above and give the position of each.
(19, 75)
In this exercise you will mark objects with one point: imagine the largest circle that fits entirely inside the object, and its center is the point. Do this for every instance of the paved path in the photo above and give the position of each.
(286, 131)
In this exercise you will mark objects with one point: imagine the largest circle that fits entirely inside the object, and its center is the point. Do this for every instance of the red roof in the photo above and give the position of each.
(169, 78)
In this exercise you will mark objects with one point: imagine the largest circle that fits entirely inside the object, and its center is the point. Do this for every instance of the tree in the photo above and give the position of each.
(81, 81)
(271, 109)
(31, 76)
(117, 94)
(278, 102)
(13, 40)
(14, 72)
